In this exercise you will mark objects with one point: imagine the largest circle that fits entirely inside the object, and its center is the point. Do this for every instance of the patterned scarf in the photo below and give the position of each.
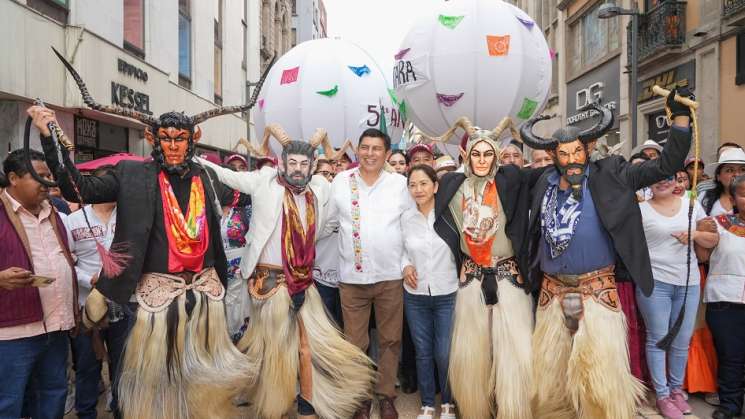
(559, 224)
(480, 221)
(732, 223)
(188, 237)
(298, 245)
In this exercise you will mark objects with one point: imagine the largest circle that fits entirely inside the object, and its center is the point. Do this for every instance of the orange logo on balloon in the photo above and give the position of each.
(498, 45)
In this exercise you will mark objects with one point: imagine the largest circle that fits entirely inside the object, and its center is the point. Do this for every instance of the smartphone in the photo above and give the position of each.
(41, 281)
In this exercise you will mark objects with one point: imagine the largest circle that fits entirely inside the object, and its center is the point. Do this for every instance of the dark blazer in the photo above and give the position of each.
(133, 186)
(613, 183)
(513, 186)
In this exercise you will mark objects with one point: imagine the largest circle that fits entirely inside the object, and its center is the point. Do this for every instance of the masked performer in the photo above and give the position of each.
(179, 361)
(289, 331)
(482, 216)
(583, 217)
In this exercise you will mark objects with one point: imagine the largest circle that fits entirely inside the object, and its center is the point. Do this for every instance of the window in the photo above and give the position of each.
(55, 9)
(592, 40)
(134, 26)
(294, 7)
(218, 52)
(740, 65)
(184, 44)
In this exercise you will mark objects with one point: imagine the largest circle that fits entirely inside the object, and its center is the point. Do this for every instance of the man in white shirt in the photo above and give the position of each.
(367, 204)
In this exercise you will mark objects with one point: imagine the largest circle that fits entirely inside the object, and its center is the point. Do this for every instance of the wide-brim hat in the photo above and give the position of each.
(445, 162)
(731, 156)
(645, 145)
(691, 160)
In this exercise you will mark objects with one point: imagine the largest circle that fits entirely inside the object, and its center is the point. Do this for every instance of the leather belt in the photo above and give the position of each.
(573, 290)
(156, 291)
(505, 269)
(266, 280)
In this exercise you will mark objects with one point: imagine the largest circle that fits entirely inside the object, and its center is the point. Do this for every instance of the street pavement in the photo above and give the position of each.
(408, 407)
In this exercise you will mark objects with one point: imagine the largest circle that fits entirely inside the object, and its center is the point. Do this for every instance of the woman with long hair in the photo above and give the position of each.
(430, 283)
(731, 163)
(725, 298)
(665, 219)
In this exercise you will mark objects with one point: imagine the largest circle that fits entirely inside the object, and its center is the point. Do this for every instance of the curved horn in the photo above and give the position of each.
(321, 137)
(225, 110)
(461, 122)
(244, 142)
(532, 140)
(605, 123)
(88, 99)
(505, 123)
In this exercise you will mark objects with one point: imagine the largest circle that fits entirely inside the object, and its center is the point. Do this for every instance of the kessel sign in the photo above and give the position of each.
(600, 84)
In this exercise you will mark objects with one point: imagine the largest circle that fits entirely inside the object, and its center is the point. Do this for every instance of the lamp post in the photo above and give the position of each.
(610, 10)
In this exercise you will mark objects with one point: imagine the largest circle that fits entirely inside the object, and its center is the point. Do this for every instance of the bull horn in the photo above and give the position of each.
(605, 123)
(534, 141)
(224, 110)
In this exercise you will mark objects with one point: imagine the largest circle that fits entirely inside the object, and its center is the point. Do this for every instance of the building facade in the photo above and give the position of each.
(276, 29)
(308, 20)
(147, 55)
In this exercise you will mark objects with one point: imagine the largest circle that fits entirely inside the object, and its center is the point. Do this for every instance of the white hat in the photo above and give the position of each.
(647, 144)
(730, 156)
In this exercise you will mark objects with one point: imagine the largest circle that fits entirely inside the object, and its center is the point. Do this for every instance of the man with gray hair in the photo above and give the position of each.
(290, 335)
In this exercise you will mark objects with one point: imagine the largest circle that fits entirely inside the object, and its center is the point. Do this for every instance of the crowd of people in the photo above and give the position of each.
(320, 280)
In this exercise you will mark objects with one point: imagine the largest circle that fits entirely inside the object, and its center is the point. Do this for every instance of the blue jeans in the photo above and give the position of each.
(430, 320)
(727, 324)
(39, 363)
(660, 310)
(88, 368)
(332, 301)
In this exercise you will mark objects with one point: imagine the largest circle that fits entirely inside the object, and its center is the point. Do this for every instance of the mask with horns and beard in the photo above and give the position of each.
(568, 147)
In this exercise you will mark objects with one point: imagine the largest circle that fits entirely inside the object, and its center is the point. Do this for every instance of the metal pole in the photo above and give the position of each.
(248, 123)
(634, 72)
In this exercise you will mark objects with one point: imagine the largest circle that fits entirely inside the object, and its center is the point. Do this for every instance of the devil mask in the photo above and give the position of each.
(568, 147)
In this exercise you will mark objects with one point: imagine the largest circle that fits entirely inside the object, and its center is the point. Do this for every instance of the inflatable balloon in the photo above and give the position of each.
(484, 59)
(330, 84)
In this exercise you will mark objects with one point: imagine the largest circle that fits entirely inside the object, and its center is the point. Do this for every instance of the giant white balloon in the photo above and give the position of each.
(330, 84)
(484, 59)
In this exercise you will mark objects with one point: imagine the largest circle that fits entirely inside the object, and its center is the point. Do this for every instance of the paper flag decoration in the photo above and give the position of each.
(450, 21)
(552, 53)
(526, 111)
(290, 75)
(360, 71)
(261, 103)
(498, 45)
(330, 92)
(527, 22)
(401, 53)
(448, 100)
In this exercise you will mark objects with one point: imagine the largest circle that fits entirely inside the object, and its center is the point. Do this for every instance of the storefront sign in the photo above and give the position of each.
(86, 132)
(125, 97)
(600, 84)
(680, 76)
(130, 70)
(659, 126)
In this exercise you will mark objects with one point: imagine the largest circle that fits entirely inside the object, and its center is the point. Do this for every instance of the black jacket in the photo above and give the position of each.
(613, 183)
(133, 186)
(513, 186)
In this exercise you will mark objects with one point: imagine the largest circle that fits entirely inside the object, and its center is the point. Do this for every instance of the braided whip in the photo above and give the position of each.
(666, 342)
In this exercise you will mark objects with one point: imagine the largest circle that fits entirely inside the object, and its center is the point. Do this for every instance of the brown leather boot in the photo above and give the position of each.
(364, 411)
(388, 409)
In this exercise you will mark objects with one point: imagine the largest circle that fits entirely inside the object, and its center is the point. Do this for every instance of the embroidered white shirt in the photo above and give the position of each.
(429, 254)
(379, 239)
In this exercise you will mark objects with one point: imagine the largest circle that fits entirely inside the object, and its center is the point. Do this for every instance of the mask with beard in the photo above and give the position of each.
(575, 178)
(296, 178)
(173, 139)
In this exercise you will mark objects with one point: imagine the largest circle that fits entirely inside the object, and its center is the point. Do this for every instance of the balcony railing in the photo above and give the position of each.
(730, 7)
(660, 29)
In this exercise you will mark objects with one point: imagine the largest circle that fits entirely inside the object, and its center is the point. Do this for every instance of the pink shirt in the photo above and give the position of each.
(49, 260)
